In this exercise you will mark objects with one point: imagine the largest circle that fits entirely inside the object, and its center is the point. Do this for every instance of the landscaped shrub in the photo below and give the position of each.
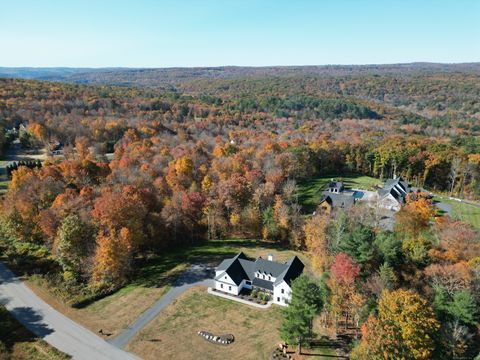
(254, 294)
(264, 296)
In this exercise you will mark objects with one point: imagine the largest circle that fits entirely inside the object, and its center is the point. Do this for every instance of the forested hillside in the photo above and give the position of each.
(145, 169)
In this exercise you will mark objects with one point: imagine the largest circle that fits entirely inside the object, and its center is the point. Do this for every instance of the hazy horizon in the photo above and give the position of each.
(241, 66)
(249, 33)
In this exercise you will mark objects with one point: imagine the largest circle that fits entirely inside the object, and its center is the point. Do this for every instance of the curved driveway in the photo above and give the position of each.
(52, 326)
(195, 275)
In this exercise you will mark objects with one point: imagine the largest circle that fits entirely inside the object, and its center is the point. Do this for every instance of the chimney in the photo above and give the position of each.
(270, 257)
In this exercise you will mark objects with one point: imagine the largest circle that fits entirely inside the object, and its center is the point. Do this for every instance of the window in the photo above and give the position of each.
(263, 276)
(221, 286)
(269, 278)
(283, 291)
(230, 288)
(278, 298)
(225, 277)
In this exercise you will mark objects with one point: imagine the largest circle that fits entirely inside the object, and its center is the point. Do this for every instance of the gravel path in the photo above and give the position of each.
(52, 326)
(195, 275)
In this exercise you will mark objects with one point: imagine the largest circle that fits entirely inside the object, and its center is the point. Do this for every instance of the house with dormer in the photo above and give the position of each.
(393, 194)
(275, 278)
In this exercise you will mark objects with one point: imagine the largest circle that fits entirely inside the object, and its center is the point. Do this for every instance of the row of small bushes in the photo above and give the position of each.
(261, 295)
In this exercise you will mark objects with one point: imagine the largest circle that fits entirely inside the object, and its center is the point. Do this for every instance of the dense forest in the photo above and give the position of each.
(148, 168)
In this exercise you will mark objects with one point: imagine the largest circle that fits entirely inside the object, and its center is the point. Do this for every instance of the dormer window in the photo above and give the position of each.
(269, 278)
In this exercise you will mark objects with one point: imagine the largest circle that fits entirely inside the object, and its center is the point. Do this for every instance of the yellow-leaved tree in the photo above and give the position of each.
(404, 329)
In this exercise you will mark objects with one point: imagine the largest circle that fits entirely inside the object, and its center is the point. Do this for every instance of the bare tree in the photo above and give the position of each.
(454, 172)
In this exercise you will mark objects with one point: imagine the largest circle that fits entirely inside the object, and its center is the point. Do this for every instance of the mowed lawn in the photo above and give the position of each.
(20, 343)
(462, 211)
(4, 186)
(152, 280)
(173, 334)
(310, 191)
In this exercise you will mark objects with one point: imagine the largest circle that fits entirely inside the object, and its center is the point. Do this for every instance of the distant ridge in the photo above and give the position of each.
(162, 76)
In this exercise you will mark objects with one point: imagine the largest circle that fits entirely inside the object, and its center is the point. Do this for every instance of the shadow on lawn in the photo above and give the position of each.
(11, 330)
(160, 270)
(157, 270)
(317, 348)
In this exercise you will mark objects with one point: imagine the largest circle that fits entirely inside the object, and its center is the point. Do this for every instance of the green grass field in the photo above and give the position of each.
(462, 211)
(4, 186)
(310, 191)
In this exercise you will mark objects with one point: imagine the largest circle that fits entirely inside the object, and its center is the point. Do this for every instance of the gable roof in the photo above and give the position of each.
(338, 200)
(269, 267)
(235, 270)
(227, 262)
(294, 270)
(239, 268)
(398, 188)
(335, 185)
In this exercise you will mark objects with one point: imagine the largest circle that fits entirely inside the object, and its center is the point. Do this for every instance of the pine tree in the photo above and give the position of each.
(306, 302)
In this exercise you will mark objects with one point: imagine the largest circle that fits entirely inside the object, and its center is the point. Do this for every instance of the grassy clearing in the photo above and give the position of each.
(4, 186)
(173, 334)
(153, 278)
(211, 252)
(462, 211)
(310, 191)
(20, 343)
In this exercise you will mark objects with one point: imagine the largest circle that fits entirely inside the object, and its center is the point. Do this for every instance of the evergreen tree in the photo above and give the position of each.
(306, 302)
(358, 244)
(72, 245)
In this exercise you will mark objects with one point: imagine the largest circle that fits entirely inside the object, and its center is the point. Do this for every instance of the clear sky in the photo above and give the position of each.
(166, 33)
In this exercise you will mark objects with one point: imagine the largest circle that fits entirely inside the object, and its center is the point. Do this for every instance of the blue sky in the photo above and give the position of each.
(166, 33)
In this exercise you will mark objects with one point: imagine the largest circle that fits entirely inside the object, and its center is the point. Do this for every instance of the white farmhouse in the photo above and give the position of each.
(274, 278)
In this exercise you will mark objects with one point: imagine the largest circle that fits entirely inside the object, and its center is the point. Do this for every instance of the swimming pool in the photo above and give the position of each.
(357, 194)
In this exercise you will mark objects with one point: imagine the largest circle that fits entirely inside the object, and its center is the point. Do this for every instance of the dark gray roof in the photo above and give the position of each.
(240, 268)
(294, 270)
(248, 267)
(264, 284)
(398, 188)
(335, 185)
(227, 262)
(338, 200)
(269, 267)
(236, 272)
(390, 183)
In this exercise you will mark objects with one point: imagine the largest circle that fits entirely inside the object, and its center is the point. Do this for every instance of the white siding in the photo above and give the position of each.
(261, 275)
(279, 297)
(389, 203)
(226, 284)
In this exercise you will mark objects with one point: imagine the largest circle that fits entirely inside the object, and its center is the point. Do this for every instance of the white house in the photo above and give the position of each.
(274, 278)
(393, 194)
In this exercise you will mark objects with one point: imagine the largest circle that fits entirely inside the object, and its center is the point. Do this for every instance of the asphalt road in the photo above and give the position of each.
(50, 325)
(195, 275)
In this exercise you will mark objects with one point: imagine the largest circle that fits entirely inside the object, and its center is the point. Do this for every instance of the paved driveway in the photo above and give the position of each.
(193, 276)
(50, 325)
